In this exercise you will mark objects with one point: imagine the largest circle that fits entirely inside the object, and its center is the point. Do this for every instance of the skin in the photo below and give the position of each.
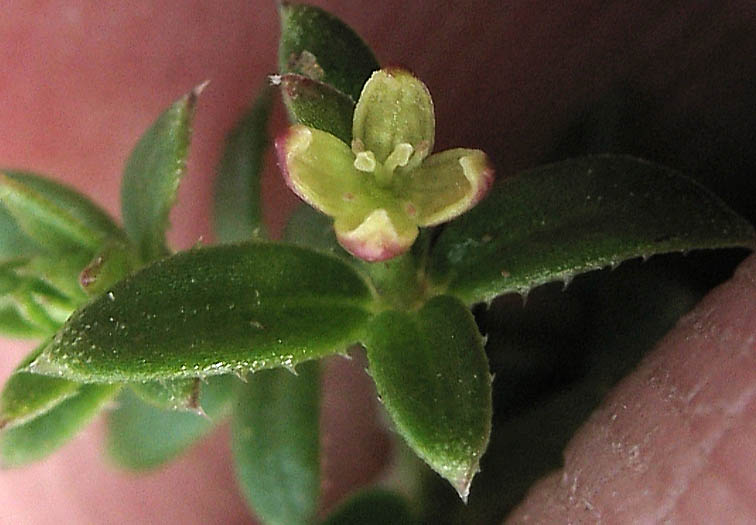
(673, 441)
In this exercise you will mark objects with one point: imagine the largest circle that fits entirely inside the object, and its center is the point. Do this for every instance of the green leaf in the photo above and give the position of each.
(276, 445)
(556, 221)
(14, 292)
(318, 45)
(432, 375)
(142, 436)
(238, 204)
(26, 396)
(43, 435)
(13, 323)
(152, 175)
(373, 507)
(13, 241)
(209, 311)
(45, 219)
(173, 394)
(318, 105)
(30, 305)
(77, 205)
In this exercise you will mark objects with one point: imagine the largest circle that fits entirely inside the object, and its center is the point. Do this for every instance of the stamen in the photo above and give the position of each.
(365, 161)
(400, 156)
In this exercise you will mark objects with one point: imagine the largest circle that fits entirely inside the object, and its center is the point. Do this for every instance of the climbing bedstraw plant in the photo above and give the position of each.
(398, 243)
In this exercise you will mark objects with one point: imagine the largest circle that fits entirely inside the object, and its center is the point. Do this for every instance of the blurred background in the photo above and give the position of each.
(528, 82)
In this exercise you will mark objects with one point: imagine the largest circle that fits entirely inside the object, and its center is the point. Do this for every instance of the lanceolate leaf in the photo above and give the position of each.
(142, 436)
(13, 241)
(276, 445)
(152, 175)
(432, 374)
(318, 105)
(43, 435)
(173, 394)
(373, 507)
(48, 222)
(77, 205)
(238, 203)
(556, 221)
(210, 311)
(26, 396)
(13, 322)
(32, 307)
(318, 45)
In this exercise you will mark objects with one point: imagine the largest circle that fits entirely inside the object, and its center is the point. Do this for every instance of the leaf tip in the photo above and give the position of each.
(44, 365)
(463, 478)
(197, 91)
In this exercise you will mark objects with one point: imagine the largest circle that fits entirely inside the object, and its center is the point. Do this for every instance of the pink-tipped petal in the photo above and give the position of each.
(282, 145)
(448, 184)
(376, 238)
(481, 179)
(319, 168)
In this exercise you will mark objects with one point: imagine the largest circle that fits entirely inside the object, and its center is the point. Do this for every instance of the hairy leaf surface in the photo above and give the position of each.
(210, 311)
(276, 444)
(432, 375)
(238, 211)
(152, 175)
(556, 221)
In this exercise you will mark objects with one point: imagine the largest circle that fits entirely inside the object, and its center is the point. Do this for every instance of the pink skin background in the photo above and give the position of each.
(676, 440)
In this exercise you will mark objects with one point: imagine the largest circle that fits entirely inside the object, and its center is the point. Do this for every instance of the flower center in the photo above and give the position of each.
(365, 161)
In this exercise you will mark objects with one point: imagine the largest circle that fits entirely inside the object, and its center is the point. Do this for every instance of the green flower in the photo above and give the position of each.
(384, 186)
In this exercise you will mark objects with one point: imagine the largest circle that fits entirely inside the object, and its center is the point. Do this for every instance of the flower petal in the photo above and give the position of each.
(394, 108)
(377, 237)
(319, 168)
(447, 184)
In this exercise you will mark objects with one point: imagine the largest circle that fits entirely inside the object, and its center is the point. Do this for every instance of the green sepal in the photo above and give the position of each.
(43, 435)
(237, 204)
(26, 396)
(173, 394)
(111, 264)
(431, 373)
(560, 220)
(373, 507)
(152, 175)
(317, 105)
(276, 445)
(141, 436)
(316, 44)
(210, 311)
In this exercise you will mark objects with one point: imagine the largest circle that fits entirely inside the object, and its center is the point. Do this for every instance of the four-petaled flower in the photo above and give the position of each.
(385, 186)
